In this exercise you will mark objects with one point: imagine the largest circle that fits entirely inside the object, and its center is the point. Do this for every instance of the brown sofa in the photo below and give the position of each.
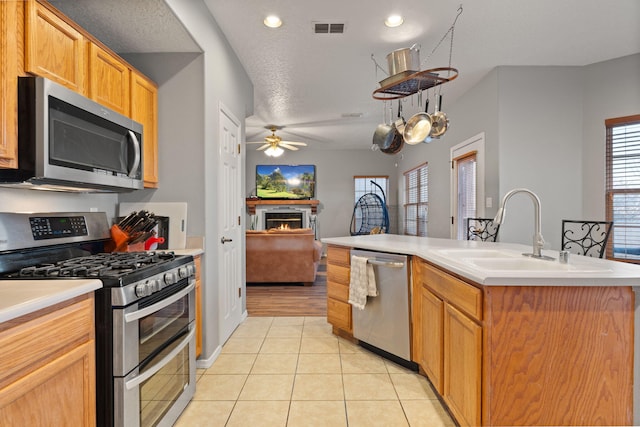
(282, 256)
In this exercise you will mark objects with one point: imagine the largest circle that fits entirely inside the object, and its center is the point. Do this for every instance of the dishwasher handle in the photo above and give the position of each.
(390, 264)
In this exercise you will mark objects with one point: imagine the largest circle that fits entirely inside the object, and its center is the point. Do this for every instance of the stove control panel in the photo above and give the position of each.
(161, 281)
(54, 227)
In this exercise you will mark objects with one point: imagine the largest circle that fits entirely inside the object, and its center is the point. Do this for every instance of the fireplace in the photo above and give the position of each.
(283, 219)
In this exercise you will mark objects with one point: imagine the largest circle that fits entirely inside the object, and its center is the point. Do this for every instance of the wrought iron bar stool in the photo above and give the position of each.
(588, 238)
(482, 229)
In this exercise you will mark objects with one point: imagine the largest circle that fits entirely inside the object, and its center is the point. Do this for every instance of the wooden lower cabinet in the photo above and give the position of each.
(430, 348)
(338, 276)
(525, 355)
(447, 343)
(198, 261)
(462, 366)
(47, 367)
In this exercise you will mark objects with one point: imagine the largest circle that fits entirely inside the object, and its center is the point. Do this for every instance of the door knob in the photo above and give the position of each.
(224, 240)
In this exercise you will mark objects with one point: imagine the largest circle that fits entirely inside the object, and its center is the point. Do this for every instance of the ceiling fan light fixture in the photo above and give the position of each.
(274, 151)
(272, 21)
(393, 21)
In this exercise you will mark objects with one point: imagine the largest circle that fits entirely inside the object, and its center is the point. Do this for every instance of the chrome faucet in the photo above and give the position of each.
(538, 240)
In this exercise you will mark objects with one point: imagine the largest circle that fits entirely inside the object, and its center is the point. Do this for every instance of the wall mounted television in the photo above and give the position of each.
(285, 182)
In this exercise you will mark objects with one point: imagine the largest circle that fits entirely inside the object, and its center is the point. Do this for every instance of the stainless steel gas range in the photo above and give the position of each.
(145, 329)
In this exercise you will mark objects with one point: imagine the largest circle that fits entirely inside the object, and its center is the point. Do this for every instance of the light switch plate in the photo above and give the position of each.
(489, 202)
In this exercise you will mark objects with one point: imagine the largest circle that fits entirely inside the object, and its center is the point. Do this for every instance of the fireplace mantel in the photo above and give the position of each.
(253, 202)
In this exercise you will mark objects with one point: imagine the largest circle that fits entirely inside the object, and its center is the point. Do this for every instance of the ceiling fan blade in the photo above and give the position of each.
(264, 147)
(303, 144)
(287, 146)
(256, 142)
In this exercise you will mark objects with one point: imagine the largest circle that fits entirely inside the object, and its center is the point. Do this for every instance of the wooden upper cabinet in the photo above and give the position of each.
(144, 110)
(10, 33)
(54, 49)
(109, 80)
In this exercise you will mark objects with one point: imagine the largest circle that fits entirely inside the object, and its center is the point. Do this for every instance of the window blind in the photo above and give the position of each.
(416, 201)
(623, 187)
(466, 191)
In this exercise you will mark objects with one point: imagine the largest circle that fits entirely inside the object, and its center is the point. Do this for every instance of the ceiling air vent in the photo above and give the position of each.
(328, 28)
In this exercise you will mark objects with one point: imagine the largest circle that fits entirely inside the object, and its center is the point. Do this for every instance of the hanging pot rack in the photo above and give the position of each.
(421, 80)
(416, 82)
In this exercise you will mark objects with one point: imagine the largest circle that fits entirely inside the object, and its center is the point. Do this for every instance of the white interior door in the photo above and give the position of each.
(229, 230)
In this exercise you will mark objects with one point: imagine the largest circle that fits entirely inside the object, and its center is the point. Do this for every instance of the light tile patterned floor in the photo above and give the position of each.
(292, 371)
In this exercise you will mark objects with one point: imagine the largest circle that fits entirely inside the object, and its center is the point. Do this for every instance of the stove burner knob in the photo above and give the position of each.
(142, 290)
(155, 285)
(170, 278)
(183, 272)
(191, 269)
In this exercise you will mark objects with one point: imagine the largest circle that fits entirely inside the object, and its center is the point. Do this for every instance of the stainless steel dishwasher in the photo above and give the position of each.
(384, 326)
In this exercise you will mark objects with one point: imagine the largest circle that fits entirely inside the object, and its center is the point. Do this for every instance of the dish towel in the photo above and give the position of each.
(362, 282)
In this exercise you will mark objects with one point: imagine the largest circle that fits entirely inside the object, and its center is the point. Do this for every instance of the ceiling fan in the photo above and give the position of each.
(273, 144)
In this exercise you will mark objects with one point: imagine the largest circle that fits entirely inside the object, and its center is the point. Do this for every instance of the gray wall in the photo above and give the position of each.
(20, 200)
(611, 89)
(544, 130)
(540, 139)
(189, 101)
(472, 114)
(334, 187)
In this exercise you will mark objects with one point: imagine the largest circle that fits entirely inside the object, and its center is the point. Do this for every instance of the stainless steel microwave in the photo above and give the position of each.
(68, 142)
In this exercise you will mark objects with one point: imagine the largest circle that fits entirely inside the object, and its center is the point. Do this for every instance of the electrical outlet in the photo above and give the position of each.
(489, 202)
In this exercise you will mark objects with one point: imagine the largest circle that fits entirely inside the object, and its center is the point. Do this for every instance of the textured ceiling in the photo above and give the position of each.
(130, 26)
(307, 82)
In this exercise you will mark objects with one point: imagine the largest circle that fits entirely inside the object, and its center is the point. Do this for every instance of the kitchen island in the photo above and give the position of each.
(510, 340)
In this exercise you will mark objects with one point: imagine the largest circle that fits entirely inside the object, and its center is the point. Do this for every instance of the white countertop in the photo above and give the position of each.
(473, 260)
(188, 251)
(20, 297)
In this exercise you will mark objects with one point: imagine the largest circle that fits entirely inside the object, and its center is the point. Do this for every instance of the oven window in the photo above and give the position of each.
(162, 326)
(160, 392)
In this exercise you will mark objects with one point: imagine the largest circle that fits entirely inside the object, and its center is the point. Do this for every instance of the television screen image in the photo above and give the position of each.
(285, 181)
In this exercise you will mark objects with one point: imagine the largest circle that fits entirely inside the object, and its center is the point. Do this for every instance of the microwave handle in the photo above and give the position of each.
(136, 159)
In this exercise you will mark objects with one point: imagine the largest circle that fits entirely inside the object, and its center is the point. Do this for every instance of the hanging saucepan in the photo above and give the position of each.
(439, 121)
(398, 139)
(418, 127)
(383, 136)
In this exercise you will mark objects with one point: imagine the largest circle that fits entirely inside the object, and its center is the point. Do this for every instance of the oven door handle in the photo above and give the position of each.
(139, 379)
(131, 317)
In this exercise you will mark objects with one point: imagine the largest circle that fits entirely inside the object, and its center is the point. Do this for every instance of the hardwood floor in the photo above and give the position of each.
(289, 300)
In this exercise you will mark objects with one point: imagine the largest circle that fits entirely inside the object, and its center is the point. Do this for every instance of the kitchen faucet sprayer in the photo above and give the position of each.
(538, 240)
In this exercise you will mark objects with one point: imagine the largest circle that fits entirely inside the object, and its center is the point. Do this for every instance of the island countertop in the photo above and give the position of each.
(20, 297)
(497, 263)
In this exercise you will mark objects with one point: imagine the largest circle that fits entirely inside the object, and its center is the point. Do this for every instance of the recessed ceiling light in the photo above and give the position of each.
(272, 21)
(394, 21)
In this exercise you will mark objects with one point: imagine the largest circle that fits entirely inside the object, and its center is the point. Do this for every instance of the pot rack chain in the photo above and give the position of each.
(450, 30)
